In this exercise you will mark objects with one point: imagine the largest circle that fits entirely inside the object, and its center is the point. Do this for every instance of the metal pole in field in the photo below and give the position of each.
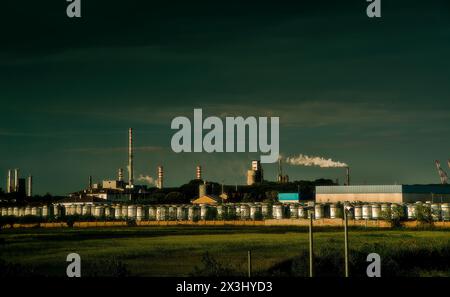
(249, 263)
(311, 256)
(346, 241)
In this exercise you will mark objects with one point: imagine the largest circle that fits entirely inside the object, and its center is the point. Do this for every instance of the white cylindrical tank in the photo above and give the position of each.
(386, 210)
(367, 212)
(10, 211)
(358, 212)
(278, 211)
(28, 210)
(34, 211)
(220, 211)
(238, 211)
(117, 211)
(395, 211)
(293, 210)
(172, 212)
(266, 210)
(56, 211)
(245, 212)
(45, 212)
(302, 212)
(162, 213)
(152, 213)
(4, 211)
(445, 210)
(231, 211)
(318, 211)
(78, 209)
(15, 211)
(435, 211)
(107, 211)
(333, 211)
(191, 213)
(131, 213)
(411, 211)
(21, 211)
(376, 211)
(204, 211)
(139, 213)
(124, 212)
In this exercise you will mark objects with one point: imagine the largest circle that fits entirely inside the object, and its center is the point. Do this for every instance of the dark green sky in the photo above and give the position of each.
(374, 93)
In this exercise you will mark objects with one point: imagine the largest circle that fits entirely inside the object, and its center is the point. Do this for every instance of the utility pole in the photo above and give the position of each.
(311, 245)
(347, 208)
(249, 263)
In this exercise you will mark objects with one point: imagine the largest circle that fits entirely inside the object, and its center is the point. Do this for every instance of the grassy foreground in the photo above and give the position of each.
(215, 251)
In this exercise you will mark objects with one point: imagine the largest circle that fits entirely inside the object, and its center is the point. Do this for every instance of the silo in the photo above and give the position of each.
(367, 212)
(376, 211)
(237, 209)
(3, 212)
(278, 211)
(57, 211)
(139, 213)
(34, 211)
(21, 211)
(445, 209)
(107, 211)
(86, 210)
(162, 213)
(255, 212)
(131, 213)
(293, 210)
(231, 211)
(191, 213)
(15, 211)
(358, 212)
(99, 211)
(318, 211)
(245, 212)
(10, 211)
(152, 213)
(411, 211)
(435, 211)
(28, 210)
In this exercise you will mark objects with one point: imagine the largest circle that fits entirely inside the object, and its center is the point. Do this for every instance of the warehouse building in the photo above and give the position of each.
(383, 193)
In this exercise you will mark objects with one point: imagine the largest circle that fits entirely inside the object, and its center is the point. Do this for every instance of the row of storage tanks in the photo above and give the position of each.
(242, 211)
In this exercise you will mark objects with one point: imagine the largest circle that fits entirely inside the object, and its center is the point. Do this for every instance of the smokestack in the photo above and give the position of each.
(347, 170)
(90, 182)
(160, 182)
(16, 180)
(130, 157)
(30, 186)
(9, 182)
(198, 172)
(120, 174)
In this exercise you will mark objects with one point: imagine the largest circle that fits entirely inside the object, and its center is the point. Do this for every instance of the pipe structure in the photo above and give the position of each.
(130, 158)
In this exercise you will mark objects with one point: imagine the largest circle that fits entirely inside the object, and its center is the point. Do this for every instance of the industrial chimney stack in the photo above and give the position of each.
(198, 172)
(130, 158)
(160, 181)
(9, 182)
(16, 180)
(30, 186)
(120, 174)
(347, 170)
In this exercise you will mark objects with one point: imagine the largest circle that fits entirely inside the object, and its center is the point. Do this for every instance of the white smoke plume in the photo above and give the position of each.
(304, 160)
(147, 179)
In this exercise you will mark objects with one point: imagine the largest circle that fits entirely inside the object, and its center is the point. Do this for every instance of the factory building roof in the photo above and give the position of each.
(413, 189)
(207, 199)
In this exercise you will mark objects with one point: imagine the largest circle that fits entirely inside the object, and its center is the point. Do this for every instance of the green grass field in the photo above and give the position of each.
(181, 251)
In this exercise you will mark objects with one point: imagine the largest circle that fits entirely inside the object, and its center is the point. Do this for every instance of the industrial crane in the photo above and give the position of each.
(443, 176)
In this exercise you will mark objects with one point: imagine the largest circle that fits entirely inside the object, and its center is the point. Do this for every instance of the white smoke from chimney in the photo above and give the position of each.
(147, 179)
(304, 160)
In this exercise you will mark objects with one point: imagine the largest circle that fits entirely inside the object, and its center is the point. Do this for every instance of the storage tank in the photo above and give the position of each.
(245, 212)
(376, 211)
(435, 211)
(131, 213)
(386, 210)
(21, 211)
(162, 213)
(34, 211)
(15, 211)
(367, 212)
(396, 211)
(238, 211)
(333, 211)
(358, 212)
(124, 212)
(56, 211)
(411, 211)
(172, 212)
(152, 213)
(191, 213)
(318, 211)
(220, 212)
(28, 210)
(117, 211)
(88, 210)
(204, 211)
(293, 210)
(139, 213)
(445, 210)
(107, 211)
(231, 211)
(301, 212)
(45, 211)
(255, 212)
(78, 209)
(4, 211)
(10, 211)
(278, 211)
(266, 210)
(99, 211)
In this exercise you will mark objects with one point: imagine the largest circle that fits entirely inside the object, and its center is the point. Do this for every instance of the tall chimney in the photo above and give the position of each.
(90, 182)
(30, 186)
(16, 180)
(130, 158)
(198, 172)
(347, 170)
(160, 181)
(9, 182)
(120, 174)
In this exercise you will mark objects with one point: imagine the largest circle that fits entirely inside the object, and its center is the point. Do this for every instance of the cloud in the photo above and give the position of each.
(147, 179)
